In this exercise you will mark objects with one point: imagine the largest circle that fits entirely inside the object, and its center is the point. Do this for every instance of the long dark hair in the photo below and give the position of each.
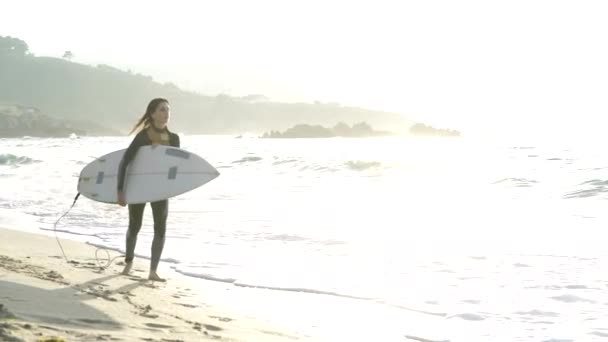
(146, 120)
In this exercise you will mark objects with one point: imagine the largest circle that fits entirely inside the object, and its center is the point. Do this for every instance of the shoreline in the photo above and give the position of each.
(42, 296)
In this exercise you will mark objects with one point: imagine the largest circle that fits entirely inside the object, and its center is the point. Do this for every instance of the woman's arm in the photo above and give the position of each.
(175, 140)
(137, 142)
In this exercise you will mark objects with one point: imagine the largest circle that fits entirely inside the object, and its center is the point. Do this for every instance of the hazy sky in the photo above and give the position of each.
(471, 65)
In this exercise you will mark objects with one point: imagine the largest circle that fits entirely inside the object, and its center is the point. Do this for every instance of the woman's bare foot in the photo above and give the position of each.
(154, 277)
(127, 268)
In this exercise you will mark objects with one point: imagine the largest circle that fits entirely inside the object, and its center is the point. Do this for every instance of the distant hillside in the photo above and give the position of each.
(425, 130)
(359, 130)
(19, 121)
(115, 99)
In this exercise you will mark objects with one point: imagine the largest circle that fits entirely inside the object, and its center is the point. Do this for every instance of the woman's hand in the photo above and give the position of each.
(121, 199)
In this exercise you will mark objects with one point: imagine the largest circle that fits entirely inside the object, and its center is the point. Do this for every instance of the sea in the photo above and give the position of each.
(449, 239)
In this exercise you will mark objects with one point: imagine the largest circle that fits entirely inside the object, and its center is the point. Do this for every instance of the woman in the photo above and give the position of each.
(152, 131)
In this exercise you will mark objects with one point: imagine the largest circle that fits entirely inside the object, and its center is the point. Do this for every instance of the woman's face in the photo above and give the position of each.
(161, 115)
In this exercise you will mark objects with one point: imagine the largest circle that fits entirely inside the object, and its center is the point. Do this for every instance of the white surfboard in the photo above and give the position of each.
(156, 173)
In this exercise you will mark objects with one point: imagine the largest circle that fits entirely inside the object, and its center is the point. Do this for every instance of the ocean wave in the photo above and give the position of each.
(537, 313)
(297, 289)
(285, 161)
(359, 165)
(247, 159)
(323, 168)
(469, 317)
(290, 238)
(284, 237)
(517, 182)
(595, 182)
(584, 193)
(295, 238)
(205, 276)
(13, 160)
(578, 287)
(317, 168)
(568, 298)
(236, 282)
(598, 187)
(422, 339)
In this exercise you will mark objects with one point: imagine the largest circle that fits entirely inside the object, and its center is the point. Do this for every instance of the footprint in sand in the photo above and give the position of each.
(39, 272)
(214, 337)
(96, 321)
(199, 327)
(106, 337)
(142, 310)
(100, 284)
(97, 292)
(212, 327)
(158, 326)
(222, 319)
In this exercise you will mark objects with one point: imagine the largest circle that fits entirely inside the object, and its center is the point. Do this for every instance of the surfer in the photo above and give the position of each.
(152, 127)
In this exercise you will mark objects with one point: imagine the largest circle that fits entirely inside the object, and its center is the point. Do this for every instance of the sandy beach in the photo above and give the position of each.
(44, 297)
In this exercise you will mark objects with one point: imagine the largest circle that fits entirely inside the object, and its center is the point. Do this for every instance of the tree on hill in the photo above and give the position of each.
(255, 98)
(13, 46)
(68, 55)
(422, 129)
(342, 129)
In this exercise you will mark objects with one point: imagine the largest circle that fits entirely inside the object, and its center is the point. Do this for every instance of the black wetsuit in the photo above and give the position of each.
(160, 209)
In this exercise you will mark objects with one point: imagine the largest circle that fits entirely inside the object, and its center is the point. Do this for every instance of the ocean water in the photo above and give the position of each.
(494, 242)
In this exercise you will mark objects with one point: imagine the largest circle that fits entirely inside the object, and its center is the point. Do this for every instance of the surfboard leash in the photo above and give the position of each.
(55, 227)
(103, 268)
